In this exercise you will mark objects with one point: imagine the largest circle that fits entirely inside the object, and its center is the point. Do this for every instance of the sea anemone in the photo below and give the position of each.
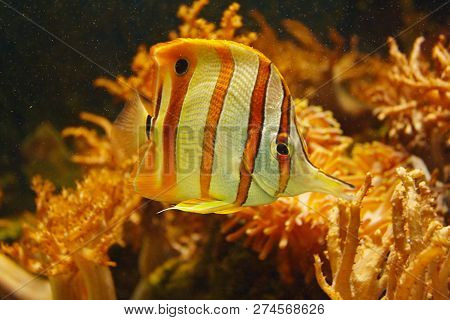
(72, 230)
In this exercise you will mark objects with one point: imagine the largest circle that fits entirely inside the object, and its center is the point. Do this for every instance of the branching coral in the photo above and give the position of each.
(125, 88)
(281, 225)
(411, 94)
(185, 232)
(73, 229)
(421, 102)
(304, 61)
(407, 261)
(321, 130)
(342, 243)
(418, 112)
(194, 27)
(419, 266)
(354, 78)
(95, 150)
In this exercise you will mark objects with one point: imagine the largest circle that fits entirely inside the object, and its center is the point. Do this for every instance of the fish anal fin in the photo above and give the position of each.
(204, 206)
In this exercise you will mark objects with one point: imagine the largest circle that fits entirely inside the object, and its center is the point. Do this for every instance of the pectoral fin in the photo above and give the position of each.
(206, 206)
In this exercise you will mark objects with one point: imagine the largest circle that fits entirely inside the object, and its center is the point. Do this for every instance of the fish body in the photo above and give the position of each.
(220, 131)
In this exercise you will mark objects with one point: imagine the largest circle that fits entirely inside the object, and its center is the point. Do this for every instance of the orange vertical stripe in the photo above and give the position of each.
(254, 130)
(212, 120)
(282, 137)
(180, 85)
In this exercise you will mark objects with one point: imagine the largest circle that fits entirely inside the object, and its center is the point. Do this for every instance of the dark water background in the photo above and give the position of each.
(45, 84)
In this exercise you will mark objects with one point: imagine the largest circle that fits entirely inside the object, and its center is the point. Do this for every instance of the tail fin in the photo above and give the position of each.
(325, 183)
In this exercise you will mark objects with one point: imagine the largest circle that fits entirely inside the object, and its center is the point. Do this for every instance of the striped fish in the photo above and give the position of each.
(219, 131)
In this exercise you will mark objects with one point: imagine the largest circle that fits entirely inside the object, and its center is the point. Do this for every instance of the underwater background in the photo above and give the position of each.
(45, 84)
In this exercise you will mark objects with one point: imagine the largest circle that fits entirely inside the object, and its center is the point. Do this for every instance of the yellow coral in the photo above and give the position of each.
(410, 94)
(354, 77)
(304, 62)
(281, 225)
(95, 150)
(185, 232)
(194, 27)
(421, 102)
(87, 217)
(125, 88)
(409, 260)
(73, 229)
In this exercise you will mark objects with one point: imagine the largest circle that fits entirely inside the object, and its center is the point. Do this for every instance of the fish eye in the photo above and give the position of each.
(282, 149)
(181, 66)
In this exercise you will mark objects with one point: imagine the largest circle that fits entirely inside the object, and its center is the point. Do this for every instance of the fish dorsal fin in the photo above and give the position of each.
(130, 128)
